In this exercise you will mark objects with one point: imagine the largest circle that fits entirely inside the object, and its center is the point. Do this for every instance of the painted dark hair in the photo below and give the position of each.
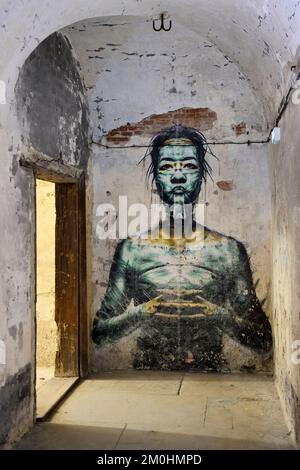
(178, 132)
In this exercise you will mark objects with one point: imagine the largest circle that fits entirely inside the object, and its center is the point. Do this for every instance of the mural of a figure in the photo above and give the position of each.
(184, 294)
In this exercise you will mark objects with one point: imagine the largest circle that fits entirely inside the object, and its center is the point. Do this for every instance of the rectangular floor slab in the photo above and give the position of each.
(49, 394)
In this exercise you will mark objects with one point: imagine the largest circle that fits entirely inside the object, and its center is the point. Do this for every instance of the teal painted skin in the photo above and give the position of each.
(178, 174)
(186, 293)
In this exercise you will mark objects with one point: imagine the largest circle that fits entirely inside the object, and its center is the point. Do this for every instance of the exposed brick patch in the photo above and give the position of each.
(225, 185)
(200, 118)
(239, 129)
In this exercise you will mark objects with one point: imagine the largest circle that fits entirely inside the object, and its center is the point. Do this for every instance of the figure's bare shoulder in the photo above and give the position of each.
(125, 251)
(212, 236)
(230, 245)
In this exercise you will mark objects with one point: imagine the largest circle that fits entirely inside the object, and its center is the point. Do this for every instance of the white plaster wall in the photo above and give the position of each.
(132, 72)
(285, 171)
(17, 258)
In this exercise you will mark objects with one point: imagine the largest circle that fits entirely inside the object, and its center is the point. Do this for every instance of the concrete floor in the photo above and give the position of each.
(165, 410)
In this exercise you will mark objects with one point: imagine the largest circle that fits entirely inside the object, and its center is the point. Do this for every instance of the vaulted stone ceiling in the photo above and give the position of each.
(133, 73)
(249, 46)
(234, 59)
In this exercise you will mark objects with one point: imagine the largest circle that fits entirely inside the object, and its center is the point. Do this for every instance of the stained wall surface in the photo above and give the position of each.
(258, 43)
(50, 119)
(138, 85)
(284, 164)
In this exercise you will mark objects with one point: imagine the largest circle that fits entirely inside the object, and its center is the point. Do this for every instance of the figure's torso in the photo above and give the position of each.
(182, 272)
(183, 333)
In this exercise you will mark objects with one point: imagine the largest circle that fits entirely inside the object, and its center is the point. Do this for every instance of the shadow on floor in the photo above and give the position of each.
(162, 410)
(50, 436)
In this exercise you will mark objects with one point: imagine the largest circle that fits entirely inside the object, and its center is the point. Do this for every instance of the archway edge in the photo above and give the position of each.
(230, 33)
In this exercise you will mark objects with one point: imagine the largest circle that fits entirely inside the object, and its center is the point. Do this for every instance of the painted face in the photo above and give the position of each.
(179, 175)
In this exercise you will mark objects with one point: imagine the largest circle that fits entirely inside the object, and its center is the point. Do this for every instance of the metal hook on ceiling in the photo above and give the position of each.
(162, 24)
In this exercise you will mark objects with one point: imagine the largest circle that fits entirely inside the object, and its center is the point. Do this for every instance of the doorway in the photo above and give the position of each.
(61, 320)
(46, 339)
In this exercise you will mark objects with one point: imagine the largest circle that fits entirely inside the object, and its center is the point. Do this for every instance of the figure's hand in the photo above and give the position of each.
(188, 308)
(177, 308)
(152, 305)
(207, 308)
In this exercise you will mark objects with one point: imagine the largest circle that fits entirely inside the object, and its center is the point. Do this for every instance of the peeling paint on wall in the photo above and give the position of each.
(179, 72)
(240, 128)
(225, 185)
(51, 102)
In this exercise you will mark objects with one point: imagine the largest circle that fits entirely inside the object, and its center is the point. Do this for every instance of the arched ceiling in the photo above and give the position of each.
(260, 38)
(132, 72)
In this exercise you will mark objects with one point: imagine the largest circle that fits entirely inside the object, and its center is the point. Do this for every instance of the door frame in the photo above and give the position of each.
(70, 261)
